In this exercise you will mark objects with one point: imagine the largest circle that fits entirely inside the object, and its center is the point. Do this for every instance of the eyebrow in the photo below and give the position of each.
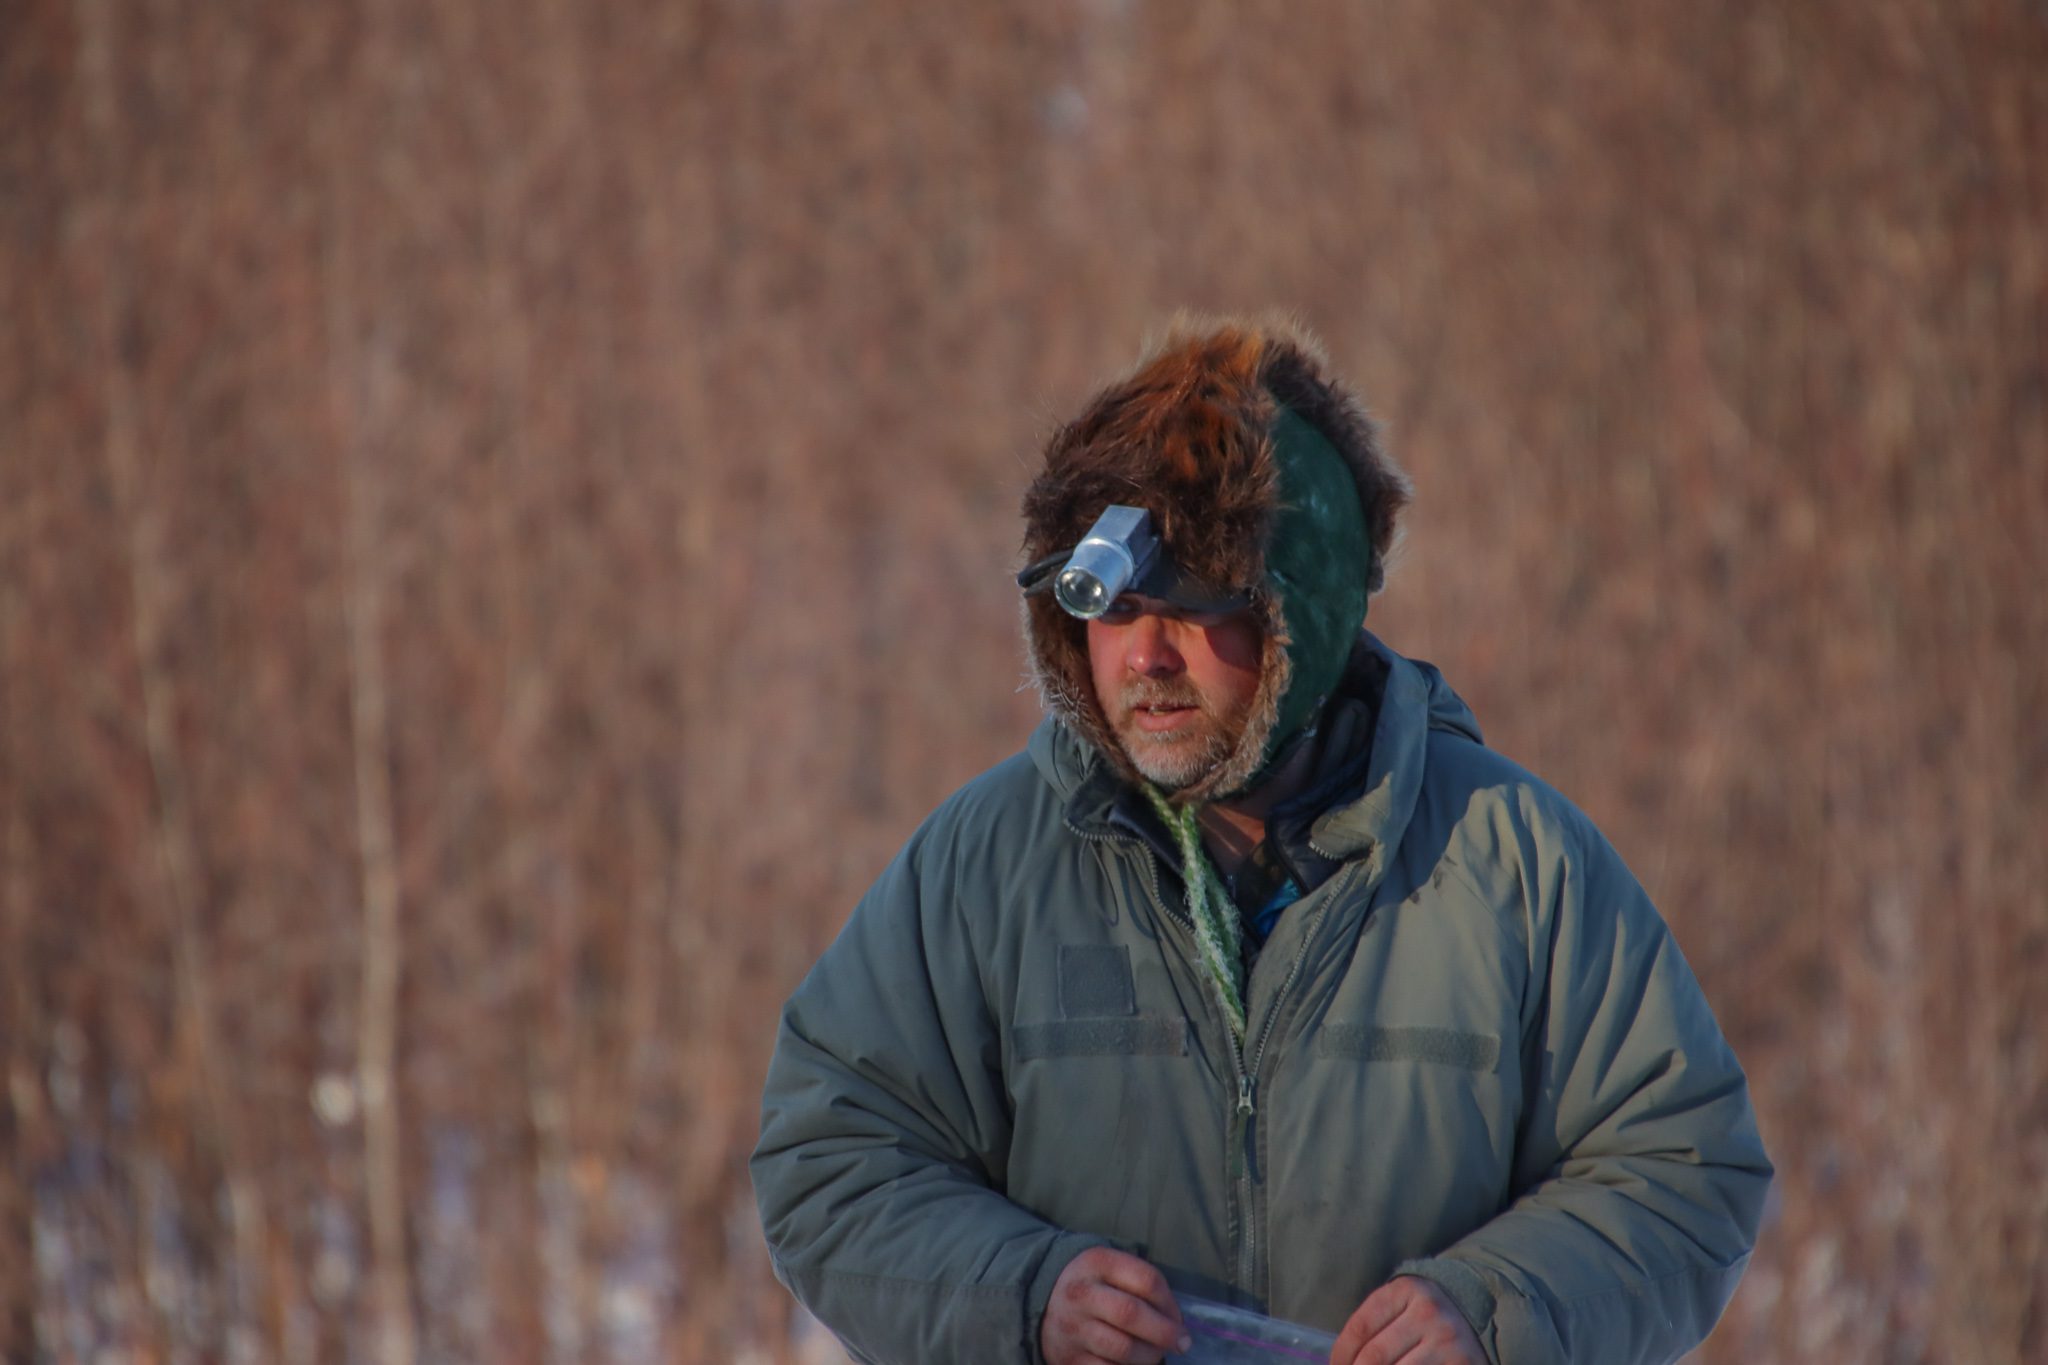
(1160, 606)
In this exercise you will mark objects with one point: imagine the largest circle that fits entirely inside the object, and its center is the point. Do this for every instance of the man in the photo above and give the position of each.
(1256, 977)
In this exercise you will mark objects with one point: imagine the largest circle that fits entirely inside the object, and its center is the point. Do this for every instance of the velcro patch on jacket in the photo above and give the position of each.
(1095, 980)
(1145, 1036)
(1437, 1046)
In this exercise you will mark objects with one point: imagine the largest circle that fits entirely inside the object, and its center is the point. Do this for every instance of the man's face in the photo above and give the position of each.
(1176, 686)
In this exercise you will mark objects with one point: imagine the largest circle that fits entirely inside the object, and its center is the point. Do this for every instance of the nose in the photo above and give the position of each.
(1149, 649)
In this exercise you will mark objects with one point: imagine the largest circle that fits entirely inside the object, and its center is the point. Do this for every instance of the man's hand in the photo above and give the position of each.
(1108, 1306)
(1408, 1321)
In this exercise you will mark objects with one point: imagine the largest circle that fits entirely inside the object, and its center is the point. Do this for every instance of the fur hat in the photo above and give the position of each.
(1265, 478)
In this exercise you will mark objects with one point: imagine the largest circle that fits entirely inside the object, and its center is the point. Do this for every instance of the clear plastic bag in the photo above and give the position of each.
(1224, 1335)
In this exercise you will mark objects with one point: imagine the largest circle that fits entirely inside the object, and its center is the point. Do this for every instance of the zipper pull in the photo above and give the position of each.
(1244, 1095)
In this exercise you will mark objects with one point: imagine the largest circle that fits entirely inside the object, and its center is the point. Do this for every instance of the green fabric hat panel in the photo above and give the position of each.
(1318, 564)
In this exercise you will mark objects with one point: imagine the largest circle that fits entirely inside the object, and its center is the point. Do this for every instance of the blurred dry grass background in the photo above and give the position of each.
(504, 521)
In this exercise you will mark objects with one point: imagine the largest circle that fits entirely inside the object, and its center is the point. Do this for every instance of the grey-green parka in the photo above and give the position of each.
(1473, 1053)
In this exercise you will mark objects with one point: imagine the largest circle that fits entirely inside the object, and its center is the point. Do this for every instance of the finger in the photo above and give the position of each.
(1447, 1338)
(1381, 1307)
(1429, 1354)
(1144, 1281)
(1135, 1317)
(1120, 1348)
(1089, 1342)
(1392, 1344)
(1135, 1275)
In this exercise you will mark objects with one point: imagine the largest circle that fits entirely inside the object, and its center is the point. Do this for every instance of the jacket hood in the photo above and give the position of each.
(1265, 479)
(1413, 699)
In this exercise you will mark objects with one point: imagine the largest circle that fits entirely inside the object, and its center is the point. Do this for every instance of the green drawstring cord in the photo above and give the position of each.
(1218, 932)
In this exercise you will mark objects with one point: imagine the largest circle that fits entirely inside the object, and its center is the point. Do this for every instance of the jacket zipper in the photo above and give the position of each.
(1180, 916)
(1247, 1083)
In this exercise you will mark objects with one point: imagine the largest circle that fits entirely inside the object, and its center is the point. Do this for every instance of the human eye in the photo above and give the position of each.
(1121, 612)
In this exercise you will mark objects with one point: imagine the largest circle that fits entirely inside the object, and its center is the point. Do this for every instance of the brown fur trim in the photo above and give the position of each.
(1186, 435)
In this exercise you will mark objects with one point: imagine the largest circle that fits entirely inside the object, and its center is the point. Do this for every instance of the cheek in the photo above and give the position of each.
(1236, 654)
(1105, 660)
(1237, 645)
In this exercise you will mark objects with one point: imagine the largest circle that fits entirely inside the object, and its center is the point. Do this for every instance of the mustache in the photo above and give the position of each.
(1152, 692)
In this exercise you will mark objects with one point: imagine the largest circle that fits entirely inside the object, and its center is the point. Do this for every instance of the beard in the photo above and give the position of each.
(1187, 753)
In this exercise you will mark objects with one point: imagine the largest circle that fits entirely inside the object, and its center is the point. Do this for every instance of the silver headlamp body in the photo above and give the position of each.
(1115, 553)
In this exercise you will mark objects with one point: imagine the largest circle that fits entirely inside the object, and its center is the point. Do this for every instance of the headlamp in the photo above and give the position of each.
(1121, 553)
(1114, 554)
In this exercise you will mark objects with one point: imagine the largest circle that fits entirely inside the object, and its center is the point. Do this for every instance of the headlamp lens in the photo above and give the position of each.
(1082, 593)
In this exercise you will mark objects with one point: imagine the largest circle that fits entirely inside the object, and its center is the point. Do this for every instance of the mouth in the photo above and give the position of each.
(1163, 718)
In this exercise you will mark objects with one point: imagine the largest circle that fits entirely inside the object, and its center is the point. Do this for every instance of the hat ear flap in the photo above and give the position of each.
(1319, 563)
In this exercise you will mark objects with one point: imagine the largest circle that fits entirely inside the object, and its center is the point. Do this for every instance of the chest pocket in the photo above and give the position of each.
(1099, 1012)
(1095, 980)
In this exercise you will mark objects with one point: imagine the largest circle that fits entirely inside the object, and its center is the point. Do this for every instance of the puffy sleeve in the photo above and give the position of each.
(1639, 1172)
(885, 1132)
